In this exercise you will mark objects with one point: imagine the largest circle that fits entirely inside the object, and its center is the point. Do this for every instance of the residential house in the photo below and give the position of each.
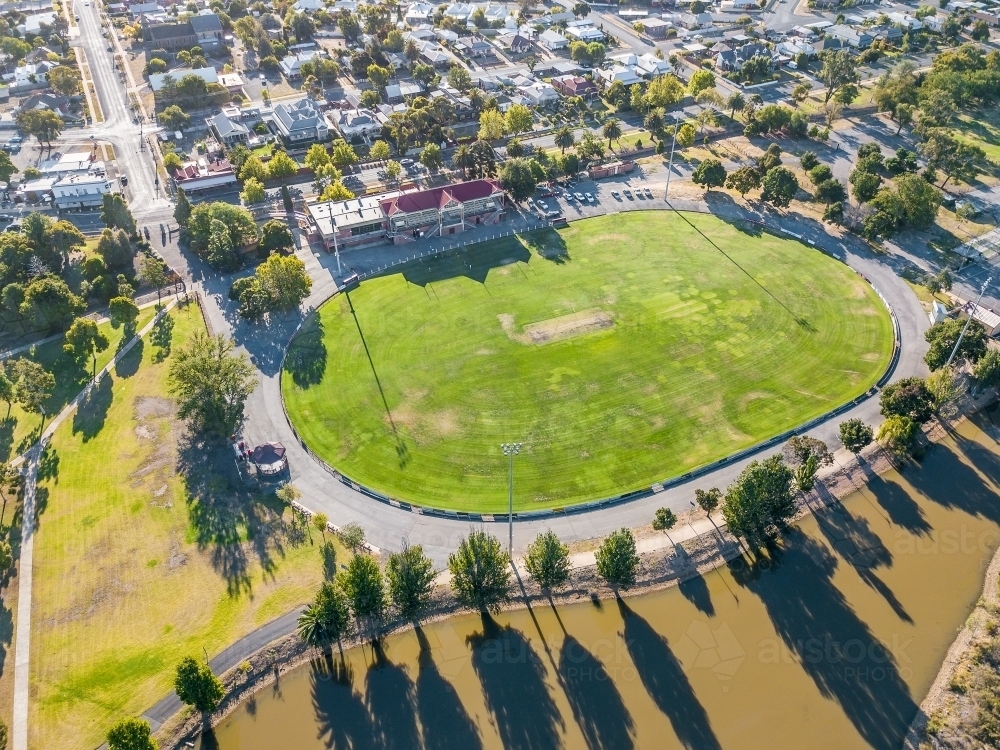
(992, 18)
(857, 38)
(695, 21)
(495, 12)
(38, 54)
(445, 35)
(905, 20)
(618, 73)
(434, 54)
(355, 123)
(650, 66)
(553, 40)
(204, 174)
(515, 43)
(79, 190)
(418, 13)
(794, 48)
(32, 75)
(539, 94)
(585, 33)
(733, 59)
(300, 122)
(570, 85)
(474, 47)
(291, 65)
(888, 32)
(64, 106)
(158, 80)
(398, 92)
(208, 29)
(117, 9)
(549, 68)
(308, 6)
(170, 36)
(141, 9)
(226, 130)
(460, 11)
(33, 24)
(656, 28)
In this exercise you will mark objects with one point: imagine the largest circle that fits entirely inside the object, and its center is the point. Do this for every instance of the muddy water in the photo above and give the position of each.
(832, 646)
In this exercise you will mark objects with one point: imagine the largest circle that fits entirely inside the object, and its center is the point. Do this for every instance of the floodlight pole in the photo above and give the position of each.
(510, 450)
(958, 343)
(670, 163)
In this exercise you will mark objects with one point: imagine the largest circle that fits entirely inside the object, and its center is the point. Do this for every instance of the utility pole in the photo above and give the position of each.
(510, 450)
(958, 343)
(670, 163)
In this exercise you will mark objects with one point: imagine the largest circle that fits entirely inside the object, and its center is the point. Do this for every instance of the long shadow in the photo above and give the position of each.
(228, 519)
(695, 590)
(306, 357)
(128, 365)
(48, 464)
(92, 411)
(444, 722)
(402, 452)
(7, 426)
(550, 245)
(597, 705)
(390, 698)
(838, 651)
(161, 336)
(513, 680)
(899, 505)
(664, 679)
(473, 261)
(948, 481)
(343, 720)
(852, 538)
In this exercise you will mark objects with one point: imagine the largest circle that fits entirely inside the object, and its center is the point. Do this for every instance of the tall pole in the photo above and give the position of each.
(967, 322)
(510, 450)
(670, 163)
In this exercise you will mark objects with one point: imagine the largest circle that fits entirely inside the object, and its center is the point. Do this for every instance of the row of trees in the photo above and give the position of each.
(279, 283)
(778, 184)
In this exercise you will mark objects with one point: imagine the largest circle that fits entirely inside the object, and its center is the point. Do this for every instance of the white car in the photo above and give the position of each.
(616, 195)
(589, 197)
(649, 193)
(579, 197)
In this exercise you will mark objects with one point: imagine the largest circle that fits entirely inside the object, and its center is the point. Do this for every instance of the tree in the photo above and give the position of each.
(281, 166)
(342, 153)
(64, 80)
(483, 160)
(211, 384)
(908, 398)
(115, 248)
(49, 303)
(904, 115)
(701, 80)
(768, 160)
(820, 173)
(480, 576)
(33, 385)
(393, 169)
(252, 192)
(254, 169)
(44, 124)
(686, 135)
(612, 130)
(709, 174)
(518, 119)
(353, 536)
(431, 157)
(708, 501)
(336, 191)
(946, 153)
(980, 32)
(743, 180)
(986, 372)
(839, 68)
(379, 151)
(325, 620)
(800, 93)
(759, 500)
(84, 339)
(317, 156)
(779, 187)
(517, 179)
(617, 560)
(131, 734)
(182, 209)
(276, 236)
(365, 590)
(734, 102)
(547, 561)
(459, 78)
(865, 184)
(664, 520)
(564, 138)
(831, 191)
(124, 314)
(174, 118)
(491, 125)
(217, 229)
(943, 335)
(116, 215)
(197, 686)
(897, 434)
(806, 455)
(153, 271)
(7, 168)
(410, 574)
(6, 388)
(809, 161)
(285, 281)
(855, 435)
(664, 91)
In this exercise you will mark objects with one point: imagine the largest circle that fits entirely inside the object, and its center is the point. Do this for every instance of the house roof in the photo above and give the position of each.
(268, 453)
(301, 115)
(440, 197)
(205, 22)
(171, 31)
(208, 75)
(226, 127)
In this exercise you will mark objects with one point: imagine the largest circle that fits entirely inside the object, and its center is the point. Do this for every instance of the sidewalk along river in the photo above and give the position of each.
(832, 644)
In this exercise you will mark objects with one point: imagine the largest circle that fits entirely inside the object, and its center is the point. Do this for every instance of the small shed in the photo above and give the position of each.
(989, 319)
(269, 458)
(938, 313)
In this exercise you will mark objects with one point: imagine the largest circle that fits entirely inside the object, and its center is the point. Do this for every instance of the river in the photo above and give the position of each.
(833, 644)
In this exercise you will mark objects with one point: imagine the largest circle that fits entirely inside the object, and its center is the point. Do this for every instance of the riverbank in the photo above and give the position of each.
(660, 569)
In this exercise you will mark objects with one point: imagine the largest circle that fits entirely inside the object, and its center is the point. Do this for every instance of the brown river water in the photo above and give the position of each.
(832, 645)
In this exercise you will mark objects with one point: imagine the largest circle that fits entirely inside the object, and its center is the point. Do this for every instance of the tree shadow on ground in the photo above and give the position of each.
(513, 681)
(549, 244)
(7, 426)
(48, 464)
(161, 336)
(897, 503)
(234, 523)
(444, 722)
(329, 554)
(339, 710)
(597, 705)
(129, 363)
(838, 651)
(724, 207)
(92, 411)
(472, 261)
(663, 677)
(695, 590)
(944, 478)
(306, 357)
(390, 696)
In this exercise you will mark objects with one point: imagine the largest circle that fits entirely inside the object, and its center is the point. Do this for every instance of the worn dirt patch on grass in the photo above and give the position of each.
(558, 329)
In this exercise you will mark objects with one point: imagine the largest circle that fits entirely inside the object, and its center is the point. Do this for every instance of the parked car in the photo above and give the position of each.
(649, 193)
(628, 193)
(552, 214)
(589, 197)
(616, 195)
(569, 196)
(579, 197)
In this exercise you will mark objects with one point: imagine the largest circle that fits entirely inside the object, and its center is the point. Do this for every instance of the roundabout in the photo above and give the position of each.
(621, 351)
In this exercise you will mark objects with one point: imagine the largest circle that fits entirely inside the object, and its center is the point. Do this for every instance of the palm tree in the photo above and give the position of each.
(462, 159)
(735, 102)
(325, 620)
(564, 138)
(612, 130)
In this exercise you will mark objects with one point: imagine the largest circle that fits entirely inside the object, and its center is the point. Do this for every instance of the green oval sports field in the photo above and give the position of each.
(621, 351)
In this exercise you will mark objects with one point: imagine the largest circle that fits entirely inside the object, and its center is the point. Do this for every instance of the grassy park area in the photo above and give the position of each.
(620, 351)
(19, 429)
(150, 547)
(981, 130)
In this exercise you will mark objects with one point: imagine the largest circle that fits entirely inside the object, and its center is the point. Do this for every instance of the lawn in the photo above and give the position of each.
(620, 351)
(981, 130)
(19, 429)
(149, 548)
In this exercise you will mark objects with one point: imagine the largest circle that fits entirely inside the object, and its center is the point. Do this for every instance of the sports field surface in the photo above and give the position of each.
(621, 351)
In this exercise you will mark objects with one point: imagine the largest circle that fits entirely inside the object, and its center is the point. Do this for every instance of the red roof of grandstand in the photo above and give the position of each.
(439, 197)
